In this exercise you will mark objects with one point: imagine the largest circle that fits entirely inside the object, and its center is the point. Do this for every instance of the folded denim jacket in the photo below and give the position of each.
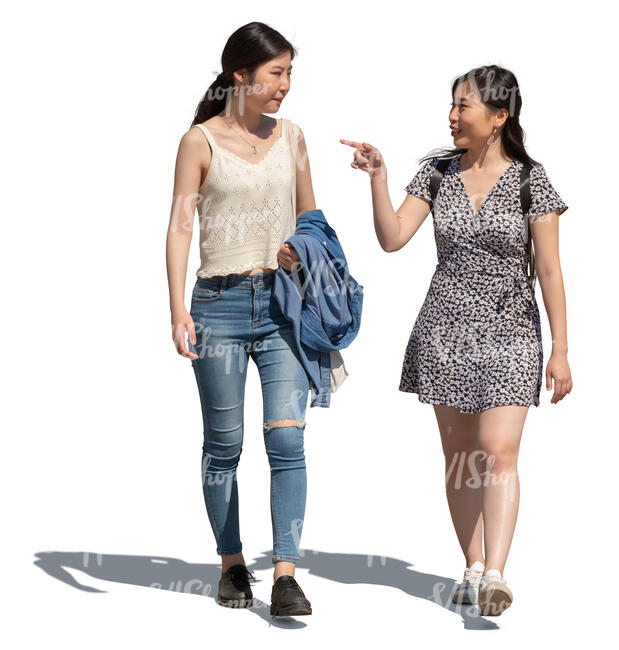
(322, 301)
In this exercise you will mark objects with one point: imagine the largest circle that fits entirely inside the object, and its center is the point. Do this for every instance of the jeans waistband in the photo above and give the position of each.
(232, 279)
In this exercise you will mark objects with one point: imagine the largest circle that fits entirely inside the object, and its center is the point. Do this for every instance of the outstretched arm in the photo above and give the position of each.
(393, 229)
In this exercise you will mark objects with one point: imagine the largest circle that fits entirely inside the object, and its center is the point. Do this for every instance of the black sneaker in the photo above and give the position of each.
(234, 589)
(288, 599)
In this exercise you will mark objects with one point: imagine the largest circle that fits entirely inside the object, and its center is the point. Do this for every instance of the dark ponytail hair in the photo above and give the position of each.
(248, 47)
(497, 88)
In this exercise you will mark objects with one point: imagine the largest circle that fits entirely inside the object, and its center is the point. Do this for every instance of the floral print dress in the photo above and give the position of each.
(477, 340)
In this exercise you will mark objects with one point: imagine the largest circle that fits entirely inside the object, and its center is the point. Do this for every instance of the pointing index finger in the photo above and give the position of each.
(352, 143)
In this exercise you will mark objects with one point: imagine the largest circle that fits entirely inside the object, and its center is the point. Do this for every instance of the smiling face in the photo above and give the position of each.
(269, 86)
(472, 120)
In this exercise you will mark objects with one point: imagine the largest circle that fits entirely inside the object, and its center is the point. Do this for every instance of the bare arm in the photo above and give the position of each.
(287, 256)
(305, 189)
(545, 235)
(192, 161)
(393, 229)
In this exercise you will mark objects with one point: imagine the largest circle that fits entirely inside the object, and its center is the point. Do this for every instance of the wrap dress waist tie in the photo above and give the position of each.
(514, 283)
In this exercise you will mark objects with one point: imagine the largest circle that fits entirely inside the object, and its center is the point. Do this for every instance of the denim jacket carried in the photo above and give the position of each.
(322, 301)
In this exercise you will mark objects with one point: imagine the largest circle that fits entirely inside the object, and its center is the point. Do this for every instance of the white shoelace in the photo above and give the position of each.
(472, 576)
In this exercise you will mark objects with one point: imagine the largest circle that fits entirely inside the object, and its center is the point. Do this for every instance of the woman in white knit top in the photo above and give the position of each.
(249, 176)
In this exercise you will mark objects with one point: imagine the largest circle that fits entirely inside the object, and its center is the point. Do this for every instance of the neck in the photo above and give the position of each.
(237, 114)
(484, 156)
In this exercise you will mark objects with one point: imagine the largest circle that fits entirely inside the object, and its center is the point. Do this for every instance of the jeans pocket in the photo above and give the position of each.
(206, 293)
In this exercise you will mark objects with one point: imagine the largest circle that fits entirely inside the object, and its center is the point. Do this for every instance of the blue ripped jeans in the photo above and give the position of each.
(235, 318)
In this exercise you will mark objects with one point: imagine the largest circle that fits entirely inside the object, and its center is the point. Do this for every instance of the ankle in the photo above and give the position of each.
(471, 562)
(283, 568)
(230, 560)
(476, 565)
(497, 573)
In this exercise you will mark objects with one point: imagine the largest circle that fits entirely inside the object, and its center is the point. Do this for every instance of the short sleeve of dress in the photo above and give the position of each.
(420, 185)
(544, 197)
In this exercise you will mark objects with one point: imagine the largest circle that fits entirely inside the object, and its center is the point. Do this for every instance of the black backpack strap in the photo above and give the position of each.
(525, 188)
(525, 203)
(437, 177)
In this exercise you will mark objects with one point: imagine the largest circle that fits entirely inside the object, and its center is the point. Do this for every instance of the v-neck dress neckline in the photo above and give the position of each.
(492, 189)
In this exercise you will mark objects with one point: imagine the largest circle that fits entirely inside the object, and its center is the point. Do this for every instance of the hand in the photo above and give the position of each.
(287, 256)
(182, 323)
(558, 369)
(366, 158)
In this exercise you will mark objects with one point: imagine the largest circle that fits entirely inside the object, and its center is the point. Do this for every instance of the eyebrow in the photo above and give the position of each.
(281, 67)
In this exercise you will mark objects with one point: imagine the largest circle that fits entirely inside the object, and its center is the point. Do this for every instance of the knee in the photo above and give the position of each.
(499, 458)
(221, 456)
(278, 429)
(284, 423)
(220, 464)
(284, 443)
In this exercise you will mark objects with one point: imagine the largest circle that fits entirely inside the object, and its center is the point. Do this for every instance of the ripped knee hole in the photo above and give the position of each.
(284, 423)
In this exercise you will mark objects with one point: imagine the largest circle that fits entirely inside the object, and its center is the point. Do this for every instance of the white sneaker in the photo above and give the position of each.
(494, 594)
(466, 593)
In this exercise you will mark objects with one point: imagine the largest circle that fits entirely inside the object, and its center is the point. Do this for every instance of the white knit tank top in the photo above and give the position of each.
(247, 210)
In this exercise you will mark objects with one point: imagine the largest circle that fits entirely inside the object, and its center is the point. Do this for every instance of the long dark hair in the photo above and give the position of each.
(498, 88)
(248, 47)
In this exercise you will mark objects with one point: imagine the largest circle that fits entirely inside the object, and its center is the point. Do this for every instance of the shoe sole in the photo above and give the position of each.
(291, 610)
(494, 600)
(235, 602)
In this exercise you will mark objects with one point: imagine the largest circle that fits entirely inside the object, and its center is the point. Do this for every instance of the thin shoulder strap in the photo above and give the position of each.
(291, 136)
(286, 128)
(209, 137)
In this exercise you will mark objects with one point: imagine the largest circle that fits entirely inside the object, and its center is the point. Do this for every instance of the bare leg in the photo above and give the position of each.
(459, 438)
(500, 431)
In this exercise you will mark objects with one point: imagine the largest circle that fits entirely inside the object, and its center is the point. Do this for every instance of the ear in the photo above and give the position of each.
(502, 114)
(240, 75)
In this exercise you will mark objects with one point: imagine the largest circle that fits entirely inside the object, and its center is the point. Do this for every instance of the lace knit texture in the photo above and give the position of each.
(246, 210)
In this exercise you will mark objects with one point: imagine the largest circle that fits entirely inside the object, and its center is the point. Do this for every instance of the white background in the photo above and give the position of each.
(102, 425)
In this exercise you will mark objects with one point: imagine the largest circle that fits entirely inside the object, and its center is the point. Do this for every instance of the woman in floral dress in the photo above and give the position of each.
(475, 350)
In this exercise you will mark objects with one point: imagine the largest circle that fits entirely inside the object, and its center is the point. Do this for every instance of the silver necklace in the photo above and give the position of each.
(253, 146)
